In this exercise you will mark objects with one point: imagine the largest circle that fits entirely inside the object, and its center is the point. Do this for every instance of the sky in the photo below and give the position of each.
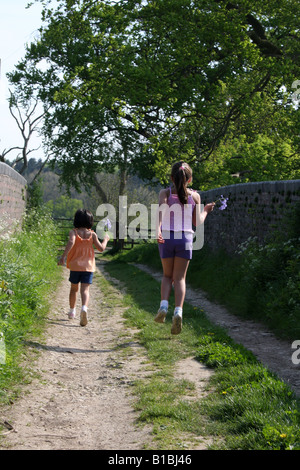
(18, 26)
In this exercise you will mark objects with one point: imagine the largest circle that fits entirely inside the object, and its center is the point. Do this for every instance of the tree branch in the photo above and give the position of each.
(40, 170)
(27, 125)
(257, 35)
(5, 152)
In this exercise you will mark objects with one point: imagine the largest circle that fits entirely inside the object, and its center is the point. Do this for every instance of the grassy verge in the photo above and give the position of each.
(248, 407)
(28, 274)
(261, 283)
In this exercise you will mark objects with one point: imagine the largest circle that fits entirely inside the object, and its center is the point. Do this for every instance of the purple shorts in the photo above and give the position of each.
(181, 247)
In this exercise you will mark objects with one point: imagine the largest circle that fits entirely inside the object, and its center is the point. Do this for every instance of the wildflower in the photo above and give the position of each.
(223, 202)
(283, 435)
(107, 225)
(5, 289)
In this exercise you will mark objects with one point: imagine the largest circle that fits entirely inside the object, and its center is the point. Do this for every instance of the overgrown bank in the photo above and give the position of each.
(28, 274)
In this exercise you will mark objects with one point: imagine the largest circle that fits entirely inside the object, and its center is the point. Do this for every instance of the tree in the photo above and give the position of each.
(24, 112)
(162, 79)
(64, 206)
(262, 145)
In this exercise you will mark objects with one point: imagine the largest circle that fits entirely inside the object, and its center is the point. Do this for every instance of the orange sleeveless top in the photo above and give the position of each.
(81, 257)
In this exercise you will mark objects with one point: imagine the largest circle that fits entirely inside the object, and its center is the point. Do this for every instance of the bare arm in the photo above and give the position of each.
(198, 216)
(71, 241)
(163, 199)
(100, 246)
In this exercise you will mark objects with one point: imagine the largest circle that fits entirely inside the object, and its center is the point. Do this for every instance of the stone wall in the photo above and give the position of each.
(254, 209)
(12, 199)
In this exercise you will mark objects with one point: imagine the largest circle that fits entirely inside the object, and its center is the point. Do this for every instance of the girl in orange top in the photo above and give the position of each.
(79, 253)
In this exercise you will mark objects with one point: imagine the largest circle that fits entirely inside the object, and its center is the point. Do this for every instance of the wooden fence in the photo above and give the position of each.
(64, 226)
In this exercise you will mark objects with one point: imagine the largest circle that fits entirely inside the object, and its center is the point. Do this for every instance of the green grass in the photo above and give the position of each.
(263, 283)
(247, 408)
(28, 275)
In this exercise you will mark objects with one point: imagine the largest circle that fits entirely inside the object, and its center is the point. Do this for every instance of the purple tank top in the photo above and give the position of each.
(179, 217)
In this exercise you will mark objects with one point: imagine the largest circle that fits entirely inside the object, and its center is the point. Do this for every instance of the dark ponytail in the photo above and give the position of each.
(181, 174)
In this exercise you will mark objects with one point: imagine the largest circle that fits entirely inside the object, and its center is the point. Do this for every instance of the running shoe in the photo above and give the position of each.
(83, 318)
(176, 325)
(161, 315)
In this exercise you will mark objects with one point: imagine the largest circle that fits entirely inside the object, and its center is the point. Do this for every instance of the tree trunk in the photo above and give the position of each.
(100, 191)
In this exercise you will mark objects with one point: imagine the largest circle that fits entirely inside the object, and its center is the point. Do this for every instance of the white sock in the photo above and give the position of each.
(84, 308)
(164, 304)
(178, 311)
(72, 310)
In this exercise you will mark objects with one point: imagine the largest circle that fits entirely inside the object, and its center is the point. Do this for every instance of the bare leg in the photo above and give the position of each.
(85, 294)
(166, 283)
(179, 275)
(166, 287)
(73, 295)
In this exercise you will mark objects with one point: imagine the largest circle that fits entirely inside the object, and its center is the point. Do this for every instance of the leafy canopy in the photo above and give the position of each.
(141, 83)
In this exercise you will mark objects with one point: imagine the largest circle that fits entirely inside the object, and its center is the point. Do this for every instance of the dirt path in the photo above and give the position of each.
(81, 399)
(275, 354)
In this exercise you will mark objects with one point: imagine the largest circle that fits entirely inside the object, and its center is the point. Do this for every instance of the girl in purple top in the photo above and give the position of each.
(179, 210)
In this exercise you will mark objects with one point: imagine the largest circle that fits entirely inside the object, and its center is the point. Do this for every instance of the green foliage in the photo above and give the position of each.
(258, 411)
(64, 206)
(272, 274)
(246, 406)
(262, 283)
(281, 439)
(241, 159)
(35, 194)
(223, 353)
(28, 270)
(151, 82)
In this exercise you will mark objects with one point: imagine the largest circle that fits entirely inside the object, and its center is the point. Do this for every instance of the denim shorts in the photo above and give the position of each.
(85, 277)
(181, 247)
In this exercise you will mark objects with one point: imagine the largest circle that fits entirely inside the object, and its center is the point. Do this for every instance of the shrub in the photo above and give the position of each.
(271, 273)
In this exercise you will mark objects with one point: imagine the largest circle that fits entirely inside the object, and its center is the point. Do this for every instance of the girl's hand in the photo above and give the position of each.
(160, 238)
(209, 207)
(61, 262)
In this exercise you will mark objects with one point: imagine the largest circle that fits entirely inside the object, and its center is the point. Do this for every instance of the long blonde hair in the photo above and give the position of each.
(181, 174)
